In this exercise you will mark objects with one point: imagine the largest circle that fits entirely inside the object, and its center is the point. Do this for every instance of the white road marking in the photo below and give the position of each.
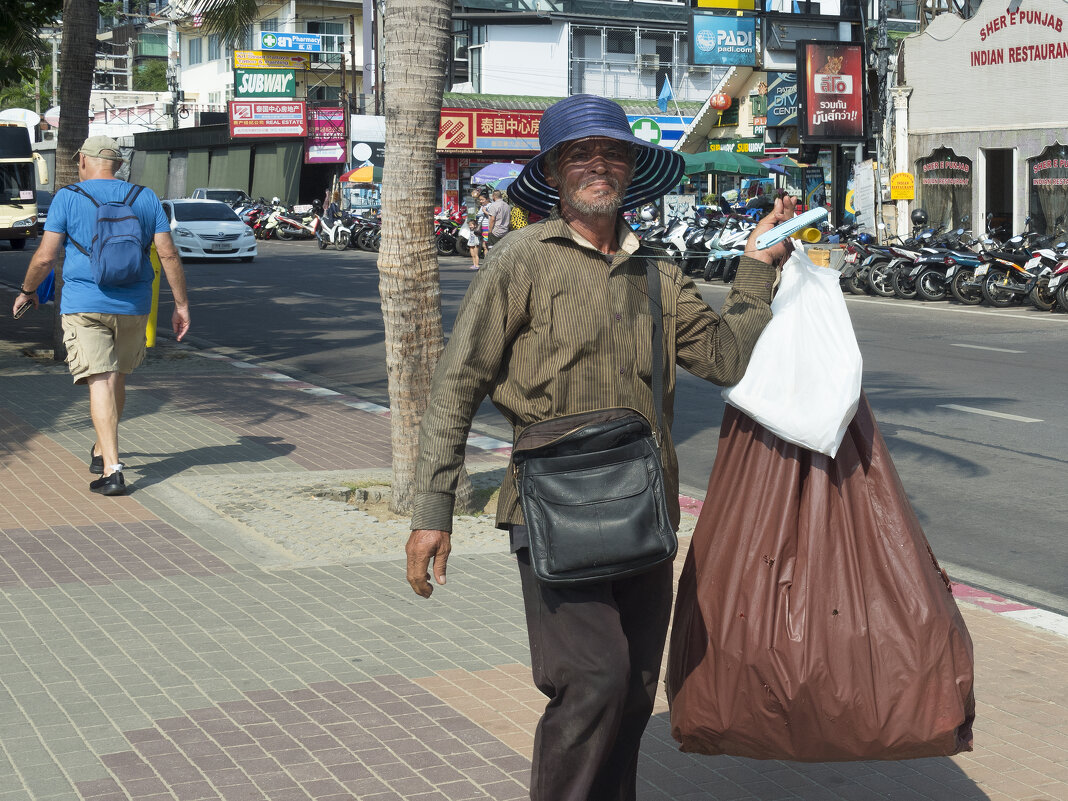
(1041, 618)
(988, 413)
(307, 295)
(943, 307)
(986, 347)
(235, 281)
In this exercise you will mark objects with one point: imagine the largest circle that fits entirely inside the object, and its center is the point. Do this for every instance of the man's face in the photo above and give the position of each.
(592, 175)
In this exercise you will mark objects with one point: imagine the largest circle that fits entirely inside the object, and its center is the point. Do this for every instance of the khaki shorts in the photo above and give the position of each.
(103, 343)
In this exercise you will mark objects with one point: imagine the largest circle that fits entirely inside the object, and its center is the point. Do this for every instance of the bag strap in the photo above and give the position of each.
(656, 310)
(131, 196)
(77, 189)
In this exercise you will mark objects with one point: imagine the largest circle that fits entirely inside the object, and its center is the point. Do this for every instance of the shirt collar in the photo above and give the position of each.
(555, 227)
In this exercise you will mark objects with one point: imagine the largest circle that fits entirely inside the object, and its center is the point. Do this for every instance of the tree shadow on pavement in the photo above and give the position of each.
(155, 467)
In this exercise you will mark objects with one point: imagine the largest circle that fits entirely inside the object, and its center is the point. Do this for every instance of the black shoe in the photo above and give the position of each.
(114, 484)
(96, 463)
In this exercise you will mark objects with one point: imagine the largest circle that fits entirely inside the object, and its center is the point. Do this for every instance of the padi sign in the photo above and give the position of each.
(722, 41)
(264, 83)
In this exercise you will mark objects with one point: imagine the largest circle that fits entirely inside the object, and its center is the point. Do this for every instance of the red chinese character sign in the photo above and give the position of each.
(267, 118)
(488, 130)
(832, 98)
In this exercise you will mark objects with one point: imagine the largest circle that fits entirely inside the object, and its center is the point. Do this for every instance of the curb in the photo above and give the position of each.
(1023, 612)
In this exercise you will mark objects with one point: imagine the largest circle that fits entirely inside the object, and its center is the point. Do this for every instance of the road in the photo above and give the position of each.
(970, 401)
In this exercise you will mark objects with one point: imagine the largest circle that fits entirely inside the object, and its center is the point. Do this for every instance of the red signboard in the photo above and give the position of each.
(488, 130)
(831, 80)
(267, 118)
(326, 140)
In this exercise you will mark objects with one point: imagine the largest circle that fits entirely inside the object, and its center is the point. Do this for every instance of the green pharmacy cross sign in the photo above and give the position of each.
(647, 129)
(264, 83)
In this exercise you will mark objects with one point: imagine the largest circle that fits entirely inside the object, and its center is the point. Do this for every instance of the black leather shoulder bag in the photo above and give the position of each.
(591, 485)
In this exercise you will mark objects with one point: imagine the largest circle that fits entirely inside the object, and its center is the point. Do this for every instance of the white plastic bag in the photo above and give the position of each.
(803, 380)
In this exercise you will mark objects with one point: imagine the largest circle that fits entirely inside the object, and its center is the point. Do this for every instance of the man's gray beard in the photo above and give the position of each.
(605, 206)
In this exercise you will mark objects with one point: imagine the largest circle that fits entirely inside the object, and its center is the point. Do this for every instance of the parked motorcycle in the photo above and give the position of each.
(333, 231)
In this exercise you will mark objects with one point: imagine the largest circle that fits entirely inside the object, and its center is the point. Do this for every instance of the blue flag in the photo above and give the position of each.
(665, 95)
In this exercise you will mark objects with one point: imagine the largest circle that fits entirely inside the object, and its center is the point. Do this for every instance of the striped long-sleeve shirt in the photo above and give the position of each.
(551, 326)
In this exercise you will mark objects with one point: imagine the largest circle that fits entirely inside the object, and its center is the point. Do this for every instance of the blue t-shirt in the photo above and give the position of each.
(71, 213)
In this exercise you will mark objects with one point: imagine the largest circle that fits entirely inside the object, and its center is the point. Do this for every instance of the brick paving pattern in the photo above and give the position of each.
(148, 651)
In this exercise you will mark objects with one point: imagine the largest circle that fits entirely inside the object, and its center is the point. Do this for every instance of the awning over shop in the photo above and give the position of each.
(724, 162)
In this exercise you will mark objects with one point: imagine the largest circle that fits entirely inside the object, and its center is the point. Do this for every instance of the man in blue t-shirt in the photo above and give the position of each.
(104, 326)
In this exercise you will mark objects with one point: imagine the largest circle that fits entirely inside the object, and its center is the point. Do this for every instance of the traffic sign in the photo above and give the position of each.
(305, 42)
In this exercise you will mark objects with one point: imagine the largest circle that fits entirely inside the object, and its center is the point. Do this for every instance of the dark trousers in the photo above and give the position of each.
(595, 653)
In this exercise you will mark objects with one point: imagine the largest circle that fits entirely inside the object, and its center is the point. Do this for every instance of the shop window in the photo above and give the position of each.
(1049, 190)
(945, 188)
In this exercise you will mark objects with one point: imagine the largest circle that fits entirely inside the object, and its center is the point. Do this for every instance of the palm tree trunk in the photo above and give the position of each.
(414, 55)
(77, 60)
(77, 57)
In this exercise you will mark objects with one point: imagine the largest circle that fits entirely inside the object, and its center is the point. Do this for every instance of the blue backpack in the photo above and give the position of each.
(117, 250)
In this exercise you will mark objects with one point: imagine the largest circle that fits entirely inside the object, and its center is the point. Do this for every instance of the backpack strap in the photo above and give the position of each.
(133, 194)
(83, 193)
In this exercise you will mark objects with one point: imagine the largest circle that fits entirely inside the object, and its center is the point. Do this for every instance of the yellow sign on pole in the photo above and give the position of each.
(153, 313)
(902, 186)
(269, 60)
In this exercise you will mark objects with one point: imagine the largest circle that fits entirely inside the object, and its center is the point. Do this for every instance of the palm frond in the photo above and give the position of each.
(229, 18)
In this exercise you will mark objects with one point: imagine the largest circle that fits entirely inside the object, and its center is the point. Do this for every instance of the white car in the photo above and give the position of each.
(209, 229)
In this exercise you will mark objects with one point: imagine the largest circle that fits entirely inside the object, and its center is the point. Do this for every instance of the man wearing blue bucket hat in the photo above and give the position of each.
(558, 322)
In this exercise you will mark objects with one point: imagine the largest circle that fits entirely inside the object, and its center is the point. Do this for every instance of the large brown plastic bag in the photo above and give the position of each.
(812, 621)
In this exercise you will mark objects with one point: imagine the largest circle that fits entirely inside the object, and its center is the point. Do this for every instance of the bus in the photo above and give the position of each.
(18, 189)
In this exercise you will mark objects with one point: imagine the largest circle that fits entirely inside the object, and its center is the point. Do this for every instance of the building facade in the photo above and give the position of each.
(987, 132)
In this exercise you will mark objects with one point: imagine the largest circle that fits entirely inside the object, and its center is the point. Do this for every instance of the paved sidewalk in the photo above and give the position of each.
(228, 632)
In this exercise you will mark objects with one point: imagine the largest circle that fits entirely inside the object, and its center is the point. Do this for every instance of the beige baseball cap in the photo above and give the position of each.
(101, 147)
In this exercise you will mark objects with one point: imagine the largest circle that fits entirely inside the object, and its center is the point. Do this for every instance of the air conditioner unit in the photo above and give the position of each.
(648, 61)
(699, 70)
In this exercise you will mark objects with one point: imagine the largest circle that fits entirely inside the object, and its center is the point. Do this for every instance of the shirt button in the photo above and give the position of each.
(622, 370)
(618, 316)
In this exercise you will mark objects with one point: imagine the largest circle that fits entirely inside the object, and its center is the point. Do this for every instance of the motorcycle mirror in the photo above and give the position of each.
(1016, 240)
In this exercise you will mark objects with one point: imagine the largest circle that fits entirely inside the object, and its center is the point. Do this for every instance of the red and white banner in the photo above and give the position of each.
(268, 118)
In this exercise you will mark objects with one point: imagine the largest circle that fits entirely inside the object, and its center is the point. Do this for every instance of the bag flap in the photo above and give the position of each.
(620, 424)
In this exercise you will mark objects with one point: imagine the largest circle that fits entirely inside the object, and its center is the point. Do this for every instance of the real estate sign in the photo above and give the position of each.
(267, 118)
(264, 83)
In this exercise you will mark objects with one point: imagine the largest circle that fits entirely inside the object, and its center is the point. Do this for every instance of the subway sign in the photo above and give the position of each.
(264, 83)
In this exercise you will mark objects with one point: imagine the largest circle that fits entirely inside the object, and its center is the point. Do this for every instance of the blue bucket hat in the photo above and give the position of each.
(656, 169)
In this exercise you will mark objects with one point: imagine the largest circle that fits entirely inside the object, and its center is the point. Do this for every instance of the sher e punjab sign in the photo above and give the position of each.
(264, 83)
(267, 118)
(255, 60)
(1028, 22)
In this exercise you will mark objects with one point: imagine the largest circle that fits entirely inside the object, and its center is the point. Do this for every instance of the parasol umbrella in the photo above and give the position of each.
(366, 174)
(493, 173)
(723, 161)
